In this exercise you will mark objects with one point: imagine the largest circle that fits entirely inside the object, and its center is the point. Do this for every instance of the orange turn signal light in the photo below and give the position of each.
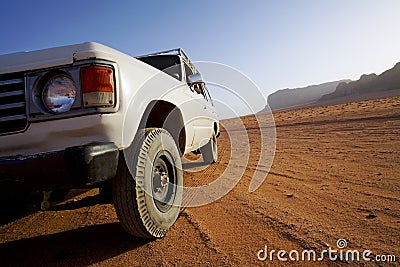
(97, 79)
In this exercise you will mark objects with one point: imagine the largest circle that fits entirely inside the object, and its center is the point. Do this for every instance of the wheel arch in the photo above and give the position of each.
(164, 114)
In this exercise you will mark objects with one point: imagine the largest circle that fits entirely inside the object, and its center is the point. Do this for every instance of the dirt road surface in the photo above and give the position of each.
(335, 175)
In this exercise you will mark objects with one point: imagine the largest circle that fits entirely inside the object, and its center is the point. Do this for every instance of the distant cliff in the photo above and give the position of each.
(286, 98)
(367, 87)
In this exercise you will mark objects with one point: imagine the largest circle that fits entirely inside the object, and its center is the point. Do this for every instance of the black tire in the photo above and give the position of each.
(210, 150)
(148, 202)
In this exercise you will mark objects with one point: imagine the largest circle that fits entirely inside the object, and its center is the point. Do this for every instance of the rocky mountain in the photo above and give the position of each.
(367, 87)
(287, 98)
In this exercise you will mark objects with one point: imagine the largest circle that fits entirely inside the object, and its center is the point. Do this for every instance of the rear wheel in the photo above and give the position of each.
(147, 190)
(210, 150)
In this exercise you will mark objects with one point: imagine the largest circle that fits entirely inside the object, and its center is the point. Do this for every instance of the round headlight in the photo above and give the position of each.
(59, 93)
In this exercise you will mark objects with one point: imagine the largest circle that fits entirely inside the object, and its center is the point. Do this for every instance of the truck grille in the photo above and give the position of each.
(12, 104)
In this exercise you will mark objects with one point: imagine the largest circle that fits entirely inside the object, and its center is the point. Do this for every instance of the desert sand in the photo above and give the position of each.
(335, 175)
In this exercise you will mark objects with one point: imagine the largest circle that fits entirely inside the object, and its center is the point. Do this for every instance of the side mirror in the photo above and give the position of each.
(195, 79)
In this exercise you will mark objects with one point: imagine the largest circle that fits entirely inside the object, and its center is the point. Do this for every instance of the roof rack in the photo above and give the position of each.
(177, 51)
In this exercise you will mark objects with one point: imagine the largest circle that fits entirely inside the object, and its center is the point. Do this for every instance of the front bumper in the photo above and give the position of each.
(74, 167)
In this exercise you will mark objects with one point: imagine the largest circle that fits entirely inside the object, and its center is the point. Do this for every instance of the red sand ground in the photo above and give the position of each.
(336, 174)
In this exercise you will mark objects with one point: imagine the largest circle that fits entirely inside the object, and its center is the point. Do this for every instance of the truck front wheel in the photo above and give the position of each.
(147, 189)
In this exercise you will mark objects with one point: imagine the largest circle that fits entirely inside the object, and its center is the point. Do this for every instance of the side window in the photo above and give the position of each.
(174, 71)
(202, 89)
(188, 71)
(197, 88)
(207, 94)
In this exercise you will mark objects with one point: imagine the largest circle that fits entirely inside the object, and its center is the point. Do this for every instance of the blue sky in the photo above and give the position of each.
(278, 44)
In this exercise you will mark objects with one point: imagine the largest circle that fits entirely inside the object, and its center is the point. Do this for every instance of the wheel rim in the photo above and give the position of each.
(163, 181)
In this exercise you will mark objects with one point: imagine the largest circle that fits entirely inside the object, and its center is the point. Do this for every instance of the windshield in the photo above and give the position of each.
(169, 64)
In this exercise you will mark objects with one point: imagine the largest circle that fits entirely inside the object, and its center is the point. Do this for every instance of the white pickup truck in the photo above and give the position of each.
(86, 115)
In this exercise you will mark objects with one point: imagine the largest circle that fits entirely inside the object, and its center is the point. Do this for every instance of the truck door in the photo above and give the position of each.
(202, 117)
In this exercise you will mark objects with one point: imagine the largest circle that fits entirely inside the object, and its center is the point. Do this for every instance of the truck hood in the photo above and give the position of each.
(63, 55)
